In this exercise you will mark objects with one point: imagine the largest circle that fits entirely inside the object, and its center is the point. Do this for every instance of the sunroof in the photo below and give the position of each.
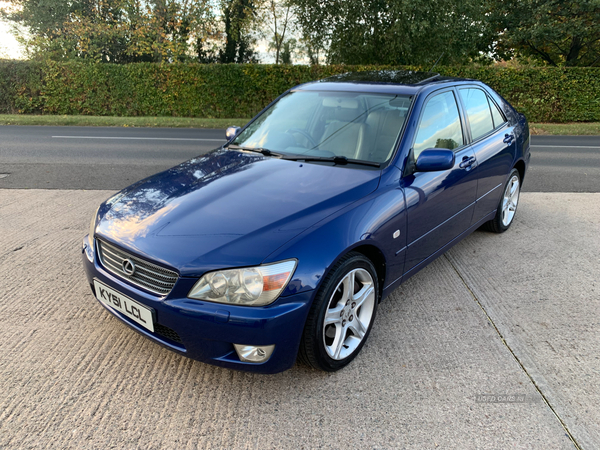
(382, 76)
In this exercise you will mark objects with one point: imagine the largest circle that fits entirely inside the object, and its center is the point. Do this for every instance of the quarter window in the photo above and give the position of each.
(440, 125)
(496, 114)
(478, 112)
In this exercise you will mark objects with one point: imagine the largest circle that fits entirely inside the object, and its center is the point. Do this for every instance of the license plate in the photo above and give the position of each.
(125, 305)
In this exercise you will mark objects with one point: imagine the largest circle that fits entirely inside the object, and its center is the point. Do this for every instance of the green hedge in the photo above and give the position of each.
(222, 91)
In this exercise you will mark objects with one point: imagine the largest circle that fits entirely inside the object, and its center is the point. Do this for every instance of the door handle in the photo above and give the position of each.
(467, 162)
(508, 138)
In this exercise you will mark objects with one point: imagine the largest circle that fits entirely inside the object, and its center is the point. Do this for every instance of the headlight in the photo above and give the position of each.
(93, 224)
(89, 247)
(250, 286)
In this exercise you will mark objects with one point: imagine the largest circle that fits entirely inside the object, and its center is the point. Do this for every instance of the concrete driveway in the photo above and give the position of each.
(495, 345)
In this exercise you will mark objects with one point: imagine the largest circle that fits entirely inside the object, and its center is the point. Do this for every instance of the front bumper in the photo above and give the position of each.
(206, 331)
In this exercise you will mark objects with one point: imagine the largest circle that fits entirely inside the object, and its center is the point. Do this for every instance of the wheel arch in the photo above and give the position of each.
(520, 166)
(373, 254)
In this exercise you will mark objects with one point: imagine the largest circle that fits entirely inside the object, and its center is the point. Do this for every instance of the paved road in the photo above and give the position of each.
(564, 164)
(95, 158)
(112, 158)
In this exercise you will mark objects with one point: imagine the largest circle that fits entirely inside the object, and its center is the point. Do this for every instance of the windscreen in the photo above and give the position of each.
(360, 126)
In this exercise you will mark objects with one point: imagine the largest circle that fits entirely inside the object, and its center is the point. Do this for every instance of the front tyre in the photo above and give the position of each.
(507, 207)
(342, 314)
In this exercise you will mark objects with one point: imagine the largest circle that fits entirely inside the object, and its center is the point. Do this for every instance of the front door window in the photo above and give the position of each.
(440, 125)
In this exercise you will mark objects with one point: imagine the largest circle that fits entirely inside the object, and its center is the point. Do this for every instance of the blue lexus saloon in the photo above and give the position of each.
(280, 244)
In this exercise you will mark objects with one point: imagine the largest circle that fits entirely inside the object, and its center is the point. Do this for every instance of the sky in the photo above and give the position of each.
(9, 48)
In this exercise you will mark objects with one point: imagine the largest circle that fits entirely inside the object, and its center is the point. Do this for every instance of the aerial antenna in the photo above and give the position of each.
(438, 60)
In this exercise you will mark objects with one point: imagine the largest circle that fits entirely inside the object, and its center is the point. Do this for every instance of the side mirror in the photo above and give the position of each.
(434, 160)
(232, 132)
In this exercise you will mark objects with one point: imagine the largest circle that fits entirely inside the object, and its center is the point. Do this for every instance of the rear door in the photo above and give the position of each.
(493, 142)
(439, 204)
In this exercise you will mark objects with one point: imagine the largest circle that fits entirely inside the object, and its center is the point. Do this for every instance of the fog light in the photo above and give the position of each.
(254, 354)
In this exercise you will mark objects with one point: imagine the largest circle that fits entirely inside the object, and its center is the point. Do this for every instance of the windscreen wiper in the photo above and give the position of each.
(264, 151)
(338, 160)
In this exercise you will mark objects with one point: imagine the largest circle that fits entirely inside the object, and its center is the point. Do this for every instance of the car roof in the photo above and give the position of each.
(403, 82)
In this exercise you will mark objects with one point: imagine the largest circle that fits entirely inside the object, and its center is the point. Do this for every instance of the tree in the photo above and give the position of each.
(557, 32)
(116, 31)
(238, 17)
(277, 21)
(44, 18)
(100, 31)
(206, 48)
(395, 31)
(312, 51)
(289, 47)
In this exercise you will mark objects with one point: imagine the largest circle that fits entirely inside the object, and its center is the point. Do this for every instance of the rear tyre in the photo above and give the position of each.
(342, 314)
(507, 208)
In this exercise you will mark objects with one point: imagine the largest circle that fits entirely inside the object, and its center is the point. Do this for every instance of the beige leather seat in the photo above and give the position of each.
(344, 139)
(383, 128)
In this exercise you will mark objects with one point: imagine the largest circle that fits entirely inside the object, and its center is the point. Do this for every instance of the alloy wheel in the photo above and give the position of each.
(349, 314)
(510, 200)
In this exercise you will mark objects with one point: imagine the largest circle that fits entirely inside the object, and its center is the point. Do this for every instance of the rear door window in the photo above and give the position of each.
(478, 112)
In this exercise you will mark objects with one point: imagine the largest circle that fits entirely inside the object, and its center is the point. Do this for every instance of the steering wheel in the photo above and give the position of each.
(304, 133)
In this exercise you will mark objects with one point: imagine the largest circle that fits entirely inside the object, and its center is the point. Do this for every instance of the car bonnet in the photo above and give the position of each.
(228, 208)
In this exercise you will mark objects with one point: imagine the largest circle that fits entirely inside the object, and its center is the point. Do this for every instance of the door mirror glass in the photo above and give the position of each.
(434, 160)
(232, 132)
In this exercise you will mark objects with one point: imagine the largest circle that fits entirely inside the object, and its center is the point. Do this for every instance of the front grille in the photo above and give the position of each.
(167, 332)
(146, 275)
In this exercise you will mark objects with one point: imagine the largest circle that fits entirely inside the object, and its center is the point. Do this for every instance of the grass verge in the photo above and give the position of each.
(568, 129)
(573, 129)
(106, 121)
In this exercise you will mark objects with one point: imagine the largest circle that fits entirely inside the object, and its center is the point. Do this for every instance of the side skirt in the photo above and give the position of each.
(388, 289)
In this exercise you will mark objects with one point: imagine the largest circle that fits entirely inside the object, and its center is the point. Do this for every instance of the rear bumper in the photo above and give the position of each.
(206, 331)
